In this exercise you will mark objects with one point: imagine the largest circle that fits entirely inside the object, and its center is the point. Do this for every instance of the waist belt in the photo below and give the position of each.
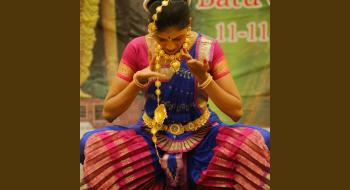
(178, 128)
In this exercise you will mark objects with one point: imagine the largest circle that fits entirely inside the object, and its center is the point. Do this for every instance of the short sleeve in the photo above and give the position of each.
(218, 54)
(128, 57)
(218, 67)
(134, 58)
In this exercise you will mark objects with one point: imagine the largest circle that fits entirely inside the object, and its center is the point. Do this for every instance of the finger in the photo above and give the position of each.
(206, 64)
(152, 79)
(186, 55)
(149, 56)
(153, 64)
(194, 62)
(155, 74)
(151, 60)
(205, 61)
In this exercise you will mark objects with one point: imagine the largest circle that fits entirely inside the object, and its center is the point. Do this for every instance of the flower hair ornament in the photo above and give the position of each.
(160, 113)
(145, 3)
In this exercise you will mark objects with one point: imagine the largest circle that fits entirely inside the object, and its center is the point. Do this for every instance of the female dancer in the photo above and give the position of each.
(179, 142)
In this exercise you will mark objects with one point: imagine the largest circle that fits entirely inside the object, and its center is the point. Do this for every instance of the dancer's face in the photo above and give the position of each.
(171, 39)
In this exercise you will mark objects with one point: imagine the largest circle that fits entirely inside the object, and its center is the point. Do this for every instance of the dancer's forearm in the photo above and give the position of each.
(226, 102)
(119, 103)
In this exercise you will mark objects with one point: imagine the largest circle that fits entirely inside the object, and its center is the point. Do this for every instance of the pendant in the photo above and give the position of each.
(176, 65)
(154, 139)
(160, 114)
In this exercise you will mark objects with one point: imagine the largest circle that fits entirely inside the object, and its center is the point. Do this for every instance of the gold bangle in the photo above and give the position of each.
(206, 82)
(138, 84)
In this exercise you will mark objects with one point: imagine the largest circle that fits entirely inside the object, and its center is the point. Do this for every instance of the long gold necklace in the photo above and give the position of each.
(160, 113)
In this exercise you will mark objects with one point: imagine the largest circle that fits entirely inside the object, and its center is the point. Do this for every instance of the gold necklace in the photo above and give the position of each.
(160, 113)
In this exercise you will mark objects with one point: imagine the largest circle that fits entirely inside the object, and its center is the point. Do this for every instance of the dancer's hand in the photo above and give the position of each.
(197, 68)
(145, 75)
(148, 74)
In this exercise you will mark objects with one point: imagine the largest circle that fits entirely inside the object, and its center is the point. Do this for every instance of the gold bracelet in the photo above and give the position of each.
(138, 84)
(206, 82)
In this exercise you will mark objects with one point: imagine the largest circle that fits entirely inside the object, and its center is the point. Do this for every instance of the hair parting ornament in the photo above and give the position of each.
(145, 3)
(160, 113)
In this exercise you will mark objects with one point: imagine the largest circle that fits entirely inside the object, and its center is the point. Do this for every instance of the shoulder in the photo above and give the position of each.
(137, 42)
(135, 54)
(208, 41)
(208, 47)
(135, 46)
(206, 38)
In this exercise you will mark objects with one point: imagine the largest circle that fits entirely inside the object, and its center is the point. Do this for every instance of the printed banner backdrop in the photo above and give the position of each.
(241, 26)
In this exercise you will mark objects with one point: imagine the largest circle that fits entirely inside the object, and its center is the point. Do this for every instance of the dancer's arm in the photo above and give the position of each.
(222, 91)
(225, 96)
(122, 92)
